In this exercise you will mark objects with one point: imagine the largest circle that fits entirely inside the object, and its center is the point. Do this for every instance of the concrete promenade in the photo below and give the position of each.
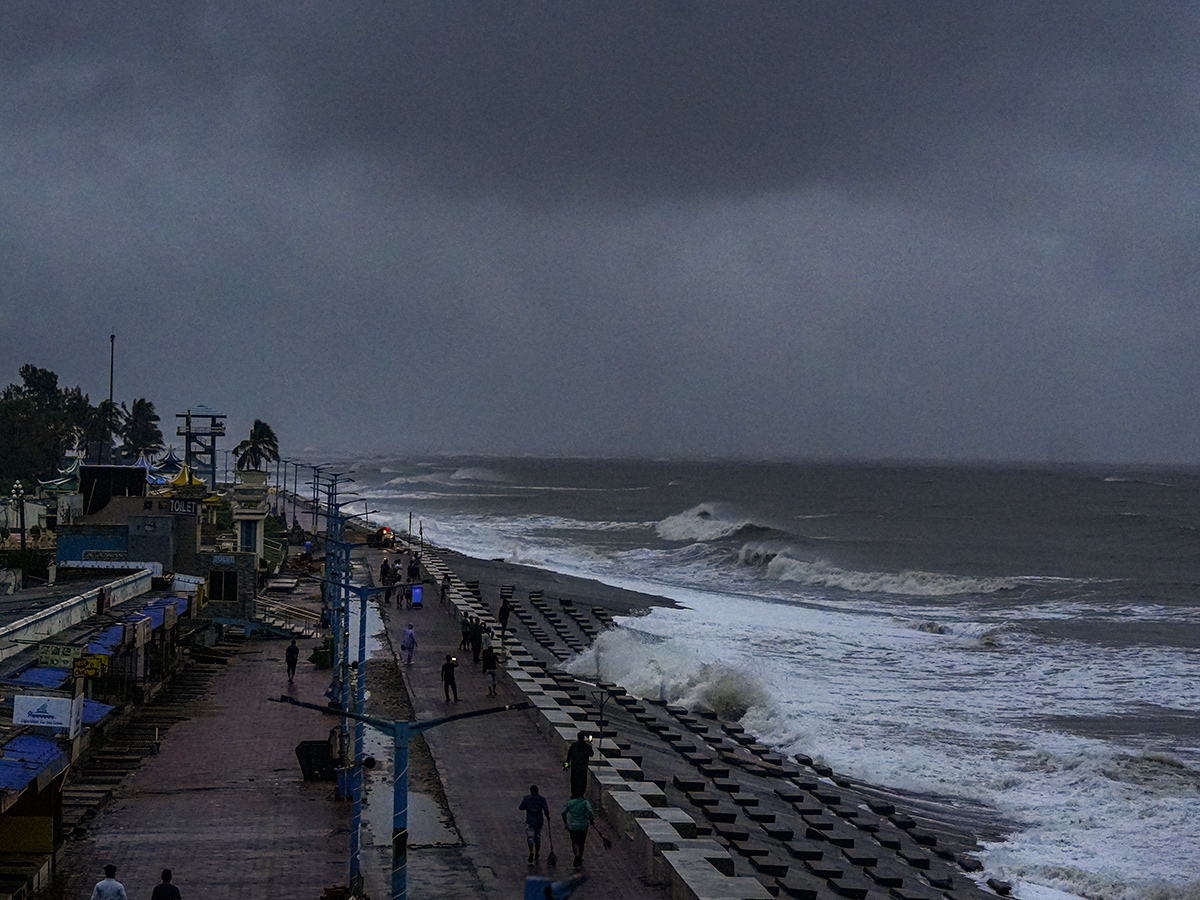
(696, 809)
(486, 766)
(223, 803)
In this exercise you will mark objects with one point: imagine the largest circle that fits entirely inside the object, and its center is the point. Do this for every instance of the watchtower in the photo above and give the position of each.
(200, 429)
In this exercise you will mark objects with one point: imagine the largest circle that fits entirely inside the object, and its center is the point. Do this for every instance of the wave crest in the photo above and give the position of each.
(819, 573)
(709, 522)
(477, 473)
(651, 667)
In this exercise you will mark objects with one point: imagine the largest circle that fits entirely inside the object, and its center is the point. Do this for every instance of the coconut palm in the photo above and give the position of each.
(261, 447)
(140, 430)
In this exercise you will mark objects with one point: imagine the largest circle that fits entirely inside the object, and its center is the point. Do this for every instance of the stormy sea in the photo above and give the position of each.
(1027, 639)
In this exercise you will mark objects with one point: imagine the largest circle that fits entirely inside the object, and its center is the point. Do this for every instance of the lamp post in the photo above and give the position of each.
(402, 733)
(316, 491)
(18, 500)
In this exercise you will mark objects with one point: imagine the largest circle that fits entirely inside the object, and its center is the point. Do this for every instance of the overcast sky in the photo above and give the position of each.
(947, 230)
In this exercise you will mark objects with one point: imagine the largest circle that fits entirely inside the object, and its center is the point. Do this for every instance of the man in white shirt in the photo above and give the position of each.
(109, 888)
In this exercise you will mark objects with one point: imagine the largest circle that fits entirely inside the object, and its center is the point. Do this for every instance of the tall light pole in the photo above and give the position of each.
(18, 500)
(317, 491)
(402, 733)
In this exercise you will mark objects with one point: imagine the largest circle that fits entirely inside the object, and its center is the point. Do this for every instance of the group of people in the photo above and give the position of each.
(400, 575)
(578, 817)
(109, 888)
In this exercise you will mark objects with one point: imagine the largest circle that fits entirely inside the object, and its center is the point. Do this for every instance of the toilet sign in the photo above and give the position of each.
(62, 713)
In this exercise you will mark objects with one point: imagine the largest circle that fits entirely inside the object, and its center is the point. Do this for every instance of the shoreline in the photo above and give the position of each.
(925, 842)
(990, 823)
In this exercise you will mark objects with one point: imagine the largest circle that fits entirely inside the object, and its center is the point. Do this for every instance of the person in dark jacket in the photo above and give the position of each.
(291, 656)
(164, 890)
(579, 756)
(449, 683)
(537, 811)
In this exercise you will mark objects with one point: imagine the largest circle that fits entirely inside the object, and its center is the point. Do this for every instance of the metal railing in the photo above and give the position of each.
(293, 618)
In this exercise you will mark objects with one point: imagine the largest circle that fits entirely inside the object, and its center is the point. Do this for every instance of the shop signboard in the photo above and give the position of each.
(60, 713)
(91, 665)
(57, 656)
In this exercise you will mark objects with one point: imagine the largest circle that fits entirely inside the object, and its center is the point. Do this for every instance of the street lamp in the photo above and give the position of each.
(18, 500)
(401, 733)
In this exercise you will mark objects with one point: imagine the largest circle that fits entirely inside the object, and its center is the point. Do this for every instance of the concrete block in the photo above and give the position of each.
(622, 808)
(683, 823)
(650, 792)
(692, 877)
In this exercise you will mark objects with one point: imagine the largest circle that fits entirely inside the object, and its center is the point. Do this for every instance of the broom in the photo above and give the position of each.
(606, 841)
(552, 859)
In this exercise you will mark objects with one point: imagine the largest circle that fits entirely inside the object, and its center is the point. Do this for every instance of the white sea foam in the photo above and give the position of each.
(705, 522)
(819, 573)
(478, 473)
(883, 701)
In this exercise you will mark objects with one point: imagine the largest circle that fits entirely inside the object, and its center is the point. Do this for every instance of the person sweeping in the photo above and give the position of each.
(578, 817)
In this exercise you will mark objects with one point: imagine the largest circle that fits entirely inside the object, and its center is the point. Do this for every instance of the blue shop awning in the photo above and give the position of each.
(26, 757)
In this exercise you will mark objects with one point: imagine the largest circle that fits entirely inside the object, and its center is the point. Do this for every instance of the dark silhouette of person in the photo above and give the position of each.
(503, 616)
(579, 756)
(537, 812)
(449, 683)
(291, 656)
(165, 890)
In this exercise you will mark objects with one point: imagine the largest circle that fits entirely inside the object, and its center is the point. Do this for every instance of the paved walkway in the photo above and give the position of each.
(486, 767)
(223, 804)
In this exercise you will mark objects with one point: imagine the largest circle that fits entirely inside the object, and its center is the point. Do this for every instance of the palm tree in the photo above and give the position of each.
(101, 422)
(261, 447)
(140, 431)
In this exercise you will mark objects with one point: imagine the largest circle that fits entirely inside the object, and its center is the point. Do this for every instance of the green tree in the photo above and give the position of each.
(140, 431)
(261, 447)
(101, 423)
(39, 422)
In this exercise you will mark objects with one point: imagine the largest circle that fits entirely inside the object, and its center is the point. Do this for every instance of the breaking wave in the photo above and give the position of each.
(711, 522)
(477, 473)
(910, 583)
(652, 668)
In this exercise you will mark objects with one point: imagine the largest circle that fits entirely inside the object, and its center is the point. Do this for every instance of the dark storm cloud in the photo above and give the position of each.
(678, 97)
(867, 229)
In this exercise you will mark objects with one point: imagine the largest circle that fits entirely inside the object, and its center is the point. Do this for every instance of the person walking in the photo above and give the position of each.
(291, 656)
(445, 594)
(490, 664)
(476, 638)
(537, 813)
(503, 616)
(164, 890)
(387, 578)
(465, 626)
(449, 683)
(408, 643)
(109, 888)
(578, 817)
(579, 756)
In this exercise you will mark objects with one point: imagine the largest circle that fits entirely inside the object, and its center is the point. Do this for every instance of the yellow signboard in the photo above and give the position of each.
(91, 665)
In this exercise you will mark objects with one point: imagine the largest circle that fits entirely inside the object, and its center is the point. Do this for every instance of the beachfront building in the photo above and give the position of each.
(71, 656)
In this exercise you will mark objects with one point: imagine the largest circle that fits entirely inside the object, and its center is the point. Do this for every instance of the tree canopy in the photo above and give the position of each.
(142, 436)
(40, 422)
(261, 447)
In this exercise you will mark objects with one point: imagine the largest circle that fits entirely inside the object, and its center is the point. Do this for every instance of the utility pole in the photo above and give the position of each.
(112, 349)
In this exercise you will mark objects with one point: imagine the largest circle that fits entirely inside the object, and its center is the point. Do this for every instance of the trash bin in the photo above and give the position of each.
(417, 592)
(316, 762)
